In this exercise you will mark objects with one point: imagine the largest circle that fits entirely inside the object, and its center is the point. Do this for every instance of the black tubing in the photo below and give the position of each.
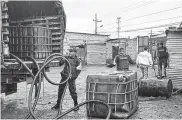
(32, 85)
(31, 109)
(86, 102)
(39, 87)
(26, 67)
(47, 78)
(45, 75)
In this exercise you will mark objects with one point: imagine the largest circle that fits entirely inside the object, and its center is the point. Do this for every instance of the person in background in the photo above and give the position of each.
(75, 71)
(144, 60)
(122, 61)
(162, 57)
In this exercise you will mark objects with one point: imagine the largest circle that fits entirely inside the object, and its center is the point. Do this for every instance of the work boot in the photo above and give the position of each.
(75, 104)
(55, 107)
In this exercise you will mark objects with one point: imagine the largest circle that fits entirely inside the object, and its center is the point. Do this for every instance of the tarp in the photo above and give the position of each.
(18, 10)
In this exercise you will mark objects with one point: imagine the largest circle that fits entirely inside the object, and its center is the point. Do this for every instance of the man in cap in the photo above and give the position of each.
(122, 61)
(162, 57)
(75, 71)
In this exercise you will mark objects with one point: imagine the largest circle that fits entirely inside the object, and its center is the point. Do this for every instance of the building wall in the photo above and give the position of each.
(96, 53)
(131, 48)
(74, 38)
(95, 47)
(109, 44)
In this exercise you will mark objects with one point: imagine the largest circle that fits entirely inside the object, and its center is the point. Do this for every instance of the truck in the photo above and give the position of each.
(29, 28)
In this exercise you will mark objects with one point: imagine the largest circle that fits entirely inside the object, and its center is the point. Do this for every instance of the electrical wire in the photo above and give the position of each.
(164, 25)
(153, 13)
(152, 21)
(146, 15)
(139, 6)
(159, 26)
(135, 7)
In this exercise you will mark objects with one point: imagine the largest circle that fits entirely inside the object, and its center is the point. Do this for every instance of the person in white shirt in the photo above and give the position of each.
(144, 60)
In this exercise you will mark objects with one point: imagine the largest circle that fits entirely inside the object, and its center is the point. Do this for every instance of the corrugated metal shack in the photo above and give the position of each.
(94, 50)
(174, 46)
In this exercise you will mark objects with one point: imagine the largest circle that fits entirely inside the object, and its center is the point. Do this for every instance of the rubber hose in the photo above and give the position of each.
(86, 102)
(61, 101)
(31, 90)
(26, 67)
(32, 85)
(176, 92)
(45, 75)
(39, 87)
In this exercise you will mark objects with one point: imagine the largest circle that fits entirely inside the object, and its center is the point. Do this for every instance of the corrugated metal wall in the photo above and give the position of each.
(96, 53)
(174, 46)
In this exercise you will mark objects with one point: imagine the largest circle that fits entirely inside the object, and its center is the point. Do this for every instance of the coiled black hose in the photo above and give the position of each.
(39, 87)
(49, 80)
(46, 62)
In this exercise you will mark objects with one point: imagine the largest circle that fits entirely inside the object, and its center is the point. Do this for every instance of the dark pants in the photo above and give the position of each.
(72, 88)
(162, 61)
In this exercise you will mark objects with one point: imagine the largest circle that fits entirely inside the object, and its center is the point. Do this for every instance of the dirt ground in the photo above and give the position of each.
(15, 105)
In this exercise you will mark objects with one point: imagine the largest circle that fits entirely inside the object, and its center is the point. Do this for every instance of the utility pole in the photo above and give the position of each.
(96, 21)
(118, 22)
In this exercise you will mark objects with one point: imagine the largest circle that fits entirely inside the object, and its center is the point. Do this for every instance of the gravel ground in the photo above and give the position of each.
(15, 105)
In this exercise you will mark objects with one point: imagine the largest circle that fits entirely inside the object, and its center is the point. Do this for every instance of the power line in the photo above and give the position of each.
(138, 29)
(146, 15)
(153, 13)
(141, 5)
(135, 7)
(164, 25)
(147, 22)
(152, 21)
(127, 6)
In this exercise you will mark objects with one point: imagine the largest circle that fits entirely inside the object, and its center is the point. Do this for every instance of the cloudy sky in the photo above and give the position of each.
(135, 14)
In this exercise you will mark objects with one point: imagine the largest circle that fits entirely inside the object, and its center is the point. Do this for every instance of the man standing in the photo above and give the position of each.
(144, 60)
(162, 57)
(75, 71)
(122, 61)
